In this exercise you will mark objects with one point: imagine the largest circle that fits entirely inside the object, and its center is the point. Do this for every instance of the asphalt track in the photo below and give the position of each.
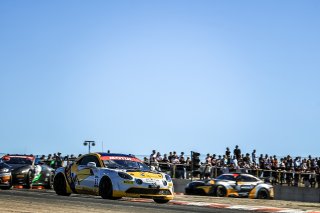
(34, 200)
(20, 200)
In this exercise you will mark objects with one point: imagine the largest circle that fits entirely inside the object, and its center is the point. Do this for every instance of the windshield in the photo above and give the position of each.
(18, 160)
(126, 164)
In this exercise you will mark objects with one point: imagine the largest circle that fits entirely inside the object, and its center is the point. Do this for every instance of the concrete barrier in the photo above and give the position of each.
(289, 193)
(292, 193)
(180, 184)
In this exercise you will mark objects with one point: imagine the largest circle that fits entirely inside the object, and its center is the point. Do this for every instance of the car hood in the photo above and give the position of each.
(151, 175)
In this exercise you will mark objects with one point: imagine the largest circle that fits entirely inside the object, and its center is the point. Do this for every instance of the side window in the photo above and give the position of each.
(96, 160)
(84, 161)
(246, 179)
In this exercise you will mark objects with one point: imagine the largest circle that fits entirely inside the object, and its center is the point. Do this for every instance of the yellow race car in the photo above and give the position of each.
(113, 176)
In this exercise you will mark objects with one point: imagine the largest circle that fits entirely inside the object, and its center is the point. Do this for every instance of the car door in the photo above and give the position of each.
(86, 176)
(245, 184)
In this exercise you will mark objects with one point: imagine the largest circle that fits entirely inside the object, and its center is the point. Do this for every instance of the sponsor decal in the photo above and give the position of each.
(96, 181)
(120, 158)
(128, 182)
(70, 179)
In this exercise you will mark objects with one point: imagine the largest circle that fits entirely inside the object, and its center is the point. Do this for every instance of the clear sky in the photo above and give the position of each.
(165, 75)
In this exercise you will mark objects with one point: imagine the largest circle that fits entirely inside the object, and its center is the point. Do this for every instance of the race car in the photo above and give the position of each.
(232, 185)
(44, 175)
(26, 172)
(5, 176)
(113, 176)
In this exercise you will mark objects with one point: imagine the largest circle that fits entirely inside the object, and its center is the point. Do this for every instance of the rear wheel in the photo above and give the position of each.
(263, 194)
(59, 185)
(106, 189)
(221, 191)
(161, 200)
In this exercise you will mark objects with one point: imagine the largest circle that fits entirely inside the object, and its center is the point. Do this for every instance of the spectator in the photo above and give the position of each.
(253, 156)
(170, 156)
(297, 162)
(188, 161)
(146, 160)
(182, 160)
(158, 157)
(181, 155)
(165, 159)
(237, 152)
(208, 159)
(228, 154)
(213, 160)
(175, 160)
(261, 162)
(152, 158)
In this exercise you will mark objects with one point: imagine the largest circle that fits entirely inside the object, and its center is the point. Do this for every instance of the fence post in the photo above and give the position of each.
(174, 171)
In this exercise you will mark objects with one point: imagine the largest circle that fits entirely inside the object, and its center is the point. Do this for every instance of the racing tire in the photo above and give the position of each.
(6, 187)
(59, 185)
(28, 180)
(221, 191)
(161, 201)
(49, 184)
(263, 194)
(106, 189)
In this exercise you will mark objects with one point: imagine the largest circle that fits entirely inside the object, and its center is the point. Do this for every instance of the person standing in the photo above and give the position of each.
(253, 156)
(237, 152)
(152, 158)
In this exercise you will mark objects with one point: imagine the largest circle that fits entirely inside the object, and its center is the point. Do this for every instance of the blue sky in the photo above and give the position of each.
(165, 75)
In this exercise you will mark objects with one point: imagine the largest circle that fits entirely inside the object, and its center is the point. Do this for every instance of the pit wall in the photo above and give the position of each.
(288, 193)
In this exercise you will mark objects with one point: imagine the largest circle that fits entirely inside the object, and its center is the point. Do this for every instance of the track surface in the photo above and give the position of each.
(48, 201)
(20, 200)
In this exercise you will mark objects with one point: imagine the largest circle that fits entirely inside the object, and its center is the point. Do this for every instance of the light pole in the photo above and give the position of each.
(89, 143)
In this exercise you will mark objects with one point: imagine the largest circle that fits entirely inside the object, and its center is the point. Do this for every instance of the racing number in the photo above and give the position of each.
(96, 181)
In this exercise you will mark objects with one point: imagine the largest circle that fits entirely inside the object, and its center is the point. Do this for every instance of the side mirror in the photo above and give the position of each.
(91, 165)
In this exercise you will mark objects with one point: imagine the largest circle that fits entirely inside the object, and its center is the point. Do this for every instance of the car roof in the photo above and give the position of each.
(115, 154)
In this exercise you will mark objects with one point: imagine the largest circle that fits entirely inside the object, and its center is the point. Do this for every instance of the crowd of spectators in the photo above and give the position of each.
(278, 170)
(56, 160)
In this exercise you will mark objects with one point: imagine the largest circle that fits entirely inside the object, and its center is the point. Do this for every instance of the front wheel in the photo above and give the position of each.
(49, 184)
(7, 187)
(106, 189)
(59, 185)
(161, 200)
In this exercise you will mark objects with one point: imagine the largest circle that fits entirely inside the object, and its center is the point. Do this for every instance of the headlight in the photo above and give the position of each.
(125, 176)
(168, 178)
(139, 181)
(4, 170)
